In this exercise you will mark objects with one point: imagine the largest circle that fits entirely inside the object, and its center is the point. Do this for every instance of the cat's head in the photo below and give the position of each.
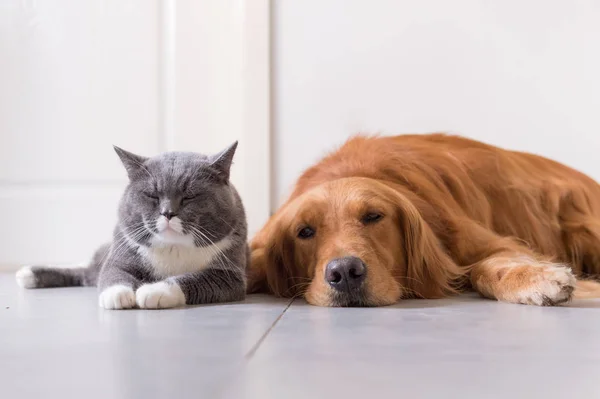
(178, 198)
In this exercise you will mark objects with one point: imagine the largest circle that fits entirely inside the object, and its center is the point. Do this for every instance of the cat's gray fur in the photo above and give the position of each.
(191, 187)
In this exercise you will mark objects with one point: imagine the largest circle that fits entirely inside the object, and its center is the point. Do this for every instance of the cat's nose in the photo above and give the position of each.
(168, 214)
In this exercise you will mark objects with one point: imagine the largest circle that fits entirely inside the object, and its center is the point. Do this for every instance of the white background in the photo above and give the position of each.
(147, 75)
(155, 75)
(523, 74)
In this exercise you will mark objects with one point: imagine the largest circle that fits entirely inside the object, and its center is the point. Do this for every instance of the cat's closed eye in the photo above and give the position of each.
(188, 198)
(152, 196)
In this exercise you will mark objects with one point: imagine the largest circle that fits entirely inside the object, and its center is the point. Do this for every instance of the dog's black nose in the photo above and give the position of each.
(345, 274)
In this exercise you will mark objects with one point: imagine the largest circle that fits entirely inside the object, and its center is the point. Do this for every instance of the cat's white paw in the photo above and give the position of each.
(25, 277)
(117, 297)
(161, 295)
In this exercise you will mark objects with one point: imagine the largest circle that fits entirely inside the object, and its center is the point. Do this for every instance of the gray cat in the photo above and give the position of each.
(181, 237)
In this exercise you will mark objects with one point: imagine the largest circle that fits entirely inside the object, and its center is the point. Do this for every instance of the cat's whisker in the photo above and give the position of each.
(134, 234)
(217, 256)
(212, 247)
(123, 244)
(200, 237)
(226, 224)
(126, 238)
(205, 231)
(216, 251)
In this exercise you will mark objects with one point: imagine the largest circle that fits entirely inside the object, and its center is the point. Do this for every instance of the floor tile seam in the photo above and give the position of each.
(221, 389)
(263, 337)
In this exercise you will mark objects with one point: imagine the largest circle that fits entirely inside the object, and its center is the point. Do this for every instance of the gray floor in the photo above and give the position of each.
(58, 343)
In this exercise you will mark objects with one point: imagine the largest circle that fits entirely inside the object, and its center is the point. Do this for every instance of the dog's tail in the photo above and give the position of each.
(587, 289)
(52, 277)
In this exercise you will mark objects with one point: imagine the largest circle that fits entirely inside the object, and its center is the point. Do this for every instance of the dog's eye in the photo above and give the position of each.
(371, 217)
(307, 232)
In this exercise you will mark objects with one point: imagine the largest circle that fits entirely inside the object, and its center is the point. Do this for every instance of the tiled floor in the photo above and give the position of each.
(58, 343)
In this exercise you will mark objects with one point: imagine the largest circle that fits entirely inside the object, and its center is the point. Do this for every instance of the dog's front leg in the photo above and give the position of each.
(521, 277)
(504, 269)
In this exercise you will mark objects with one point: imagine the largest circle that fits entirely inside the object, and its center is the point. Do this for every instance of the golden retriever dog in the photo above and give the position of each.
(428, 216)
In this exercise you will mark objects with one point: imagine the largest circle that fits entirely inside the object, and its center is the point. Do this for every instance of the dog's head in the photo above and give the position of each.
(351, 242)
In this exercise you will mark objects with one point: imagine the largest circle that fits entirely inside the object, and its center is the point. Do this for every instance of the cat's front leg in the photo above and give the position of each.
(207, 286)
(213, 285)
(117, 288)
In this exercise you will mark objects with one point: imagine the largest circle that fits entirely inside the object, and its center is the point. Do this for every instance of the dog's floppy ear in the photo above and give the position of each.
(281, 270)
(273, 266)
(430, 271)
(256, 274)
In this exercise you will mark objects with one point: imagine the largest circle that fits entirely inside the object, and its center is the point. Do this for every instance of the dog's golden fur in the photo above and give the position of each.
(457, 214)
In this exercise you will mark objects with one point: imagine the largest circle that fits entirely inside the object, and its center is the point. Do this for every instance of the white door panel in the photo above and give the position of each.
(76, 77)
(54, 223)
(146, 75)
(520, 74)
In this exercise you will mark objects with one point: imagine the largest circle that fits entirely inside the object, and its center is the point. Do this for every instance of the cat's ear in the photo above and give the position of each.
(223, 160)
(134, 164)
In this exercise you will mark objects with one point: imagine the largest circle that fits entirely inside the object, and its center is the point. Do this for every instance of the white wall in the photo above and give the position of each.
(521, 74)
(148, 75)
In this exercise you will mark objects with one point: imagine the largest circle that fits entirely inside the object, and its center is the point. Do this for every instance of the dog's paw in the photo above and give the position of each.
(541, 284)
(26, 278)
(117, 297)
(161, 295)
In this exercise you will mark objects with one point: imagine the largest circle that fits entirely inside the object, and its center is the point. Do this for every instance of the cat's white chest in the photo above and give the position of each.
(170, 260)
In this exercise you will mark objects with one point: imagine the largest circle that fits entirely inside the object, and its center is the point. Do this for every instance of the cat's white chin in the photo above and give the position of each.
(170, 232)
(169, 237)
